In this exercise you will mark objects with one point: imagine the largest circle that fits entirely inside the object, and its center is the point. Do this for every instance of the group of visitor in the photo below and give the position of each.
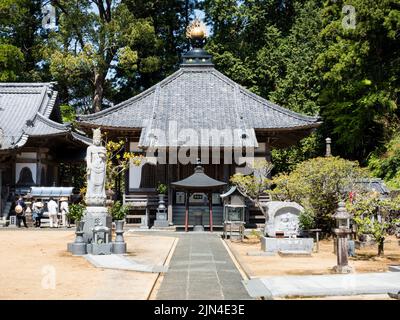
(38, 210)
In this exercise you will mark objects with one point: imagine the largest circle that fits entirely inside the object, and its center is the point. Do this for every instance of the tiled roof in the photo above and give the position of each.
(25, 109)
(198, 97)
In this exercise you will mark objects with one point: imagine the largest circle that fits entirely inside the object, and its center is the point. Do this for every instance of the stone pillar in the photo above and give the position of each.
(328, 152)
(342, 232)
(342, 250)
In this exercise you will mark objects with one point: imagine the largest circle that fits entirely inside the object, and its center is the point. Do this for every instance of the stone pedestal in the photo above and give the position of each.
(162, 214)
(78, 248)
(161, 220)
(119, 245)
(93, 217)
(198, 221)
(342, 251)
(274, 245)
(99, 248)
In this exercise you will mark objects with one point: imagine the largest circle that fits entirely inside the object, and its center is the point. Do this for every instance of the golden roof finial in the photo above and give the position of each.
(196, 30)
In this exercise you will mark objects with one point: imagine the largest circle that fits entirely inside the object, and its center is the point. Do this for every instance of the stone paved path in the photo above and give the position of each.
(201, 269)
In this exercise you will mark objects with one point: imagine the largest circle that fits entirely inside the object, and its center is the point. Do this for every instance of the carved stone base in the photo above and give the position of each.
(343, 269)
(161, 224)
(99, 248)
(77, 249)
(118, 247)
(94, 216)
(287, 244)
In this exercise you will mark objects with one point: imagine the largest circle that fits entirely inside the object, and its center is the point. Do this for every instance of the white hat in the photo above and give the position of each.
(18, 208)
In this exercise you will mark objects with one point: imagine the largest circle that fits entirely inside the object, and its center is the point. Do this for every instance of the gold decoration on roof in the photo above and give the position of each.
(196, 30)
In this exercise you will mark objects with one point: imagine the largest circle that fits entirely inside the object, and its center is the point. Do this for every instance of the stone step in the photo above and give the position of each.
(294, 253)
(394, 268)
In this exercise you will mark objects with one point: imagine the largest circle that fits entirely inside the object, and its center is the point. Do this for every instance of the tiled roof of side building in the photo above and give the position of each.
(25, 109)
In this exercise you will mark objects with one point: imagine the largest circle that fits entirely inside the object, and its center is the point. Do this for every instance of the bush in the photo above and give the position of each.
(162, 188)
(76, 212)
(375, 216)
(318, 185)
(385, 163)
(306, 220)
(118, 211)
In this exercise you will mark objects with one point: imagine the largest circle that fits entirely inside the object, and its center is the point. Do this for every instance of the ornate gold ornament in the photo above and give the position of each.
(196, 30)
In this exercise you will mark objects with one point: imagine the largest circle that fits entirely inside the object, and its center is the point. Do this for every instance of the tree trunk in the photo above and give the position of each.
(259, 205)
(98, 91)
(380, 247)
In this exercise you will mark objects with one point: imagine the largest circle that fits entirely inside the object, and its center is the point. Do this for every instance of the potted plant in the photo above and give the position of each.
(76, 212)
(118, 212)
(162, 190)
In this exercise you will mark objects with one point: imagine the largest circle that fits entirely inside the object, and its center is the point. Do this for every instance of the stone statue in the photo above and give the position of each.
(96, 159)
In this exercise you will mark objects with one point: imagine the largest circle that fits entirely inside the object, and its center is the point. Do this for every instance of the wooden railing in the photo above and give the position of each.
(143, 202)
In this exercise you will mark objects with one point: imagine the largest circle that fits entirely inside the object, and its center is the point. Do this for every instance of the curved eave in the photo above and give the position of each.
(198, 188)
(294, 128)
(89, 125)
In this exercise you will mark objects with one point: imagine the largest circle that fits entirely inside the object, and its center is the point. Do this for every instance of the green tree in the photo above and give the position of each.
(256, 184)
(94, 38)
(375, 216)
(385, 162)
(270, 47)
(21, 41)
(118, 160)
(169, 19)
(360, 70)
(318, 185)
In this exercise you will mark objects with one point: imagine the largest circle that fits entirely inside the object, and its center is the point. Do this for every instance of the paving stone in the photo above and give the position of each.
(208, 269)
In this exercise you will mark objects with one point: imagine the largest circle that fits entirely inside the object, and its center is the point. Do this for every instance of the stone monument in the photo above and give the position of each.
(342, 232)
(93, 234)
(282, 229)
(95, 198)
(161, 215)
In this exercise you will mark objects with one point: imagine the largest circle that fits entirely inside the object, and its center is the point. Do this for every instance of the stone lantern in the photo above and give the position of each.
(342, 231)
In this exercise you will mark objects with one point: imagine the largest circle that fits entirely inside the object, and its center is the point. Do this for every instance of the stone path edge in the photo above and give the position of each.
(161, 274)
(245, 269)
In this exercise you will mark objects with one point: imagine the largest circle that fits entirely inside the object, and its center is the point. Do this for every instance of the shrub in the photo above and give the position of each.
(256, 184)
(162, 188)
(374, 216)
(306, 220)
(118, 211)
(76, 212)
(318, 185)
(385, 163)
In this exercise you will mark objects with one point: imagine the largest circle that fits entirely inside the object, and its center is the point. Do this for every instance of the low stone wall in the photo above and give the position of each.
(275, 245)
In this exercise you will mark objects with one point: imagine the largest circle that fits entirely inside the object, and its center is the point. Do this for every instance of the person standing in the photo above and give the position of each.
(37, 213)
(64, 211)
(20, 208)
(52, 207)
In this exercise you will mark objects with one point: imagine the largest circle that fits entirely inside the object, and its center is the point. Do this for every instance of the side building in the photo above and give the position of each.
(33, 141)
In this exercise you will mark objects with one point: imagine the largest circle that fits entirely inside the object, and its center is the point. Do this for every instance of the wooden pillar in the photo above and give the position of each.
(210, 208)
(186, 211)
(268, 155)
(1, 193)
(169, 179)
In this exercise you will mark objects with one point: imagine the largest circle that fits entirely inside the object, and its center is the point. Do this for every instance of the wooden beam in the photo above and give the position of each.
(211, 210)
(186, 211)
